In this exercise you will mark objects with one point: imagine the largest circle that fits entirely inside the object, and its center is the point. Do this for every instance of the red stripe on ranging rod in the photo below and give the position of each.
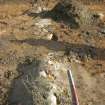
(72, 88)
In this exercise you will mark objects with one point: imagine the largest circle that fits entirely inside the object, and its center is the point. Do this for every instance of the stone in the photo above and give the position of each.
(43, 22)
(52, 100)
(43, 74)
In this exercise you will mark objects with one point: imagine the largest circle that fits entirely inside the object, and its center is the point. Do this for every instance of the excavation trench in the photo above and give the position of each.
(40, 83)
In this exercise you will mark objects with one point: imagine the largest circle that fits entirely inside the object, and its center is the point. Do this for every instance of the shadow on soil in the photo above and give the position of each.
(80, 49)
(19, 94)
(58, 14)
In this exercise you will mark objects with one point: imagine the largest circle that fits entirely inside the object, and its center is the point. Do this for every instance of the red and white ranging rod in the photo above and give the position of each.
(72, 88)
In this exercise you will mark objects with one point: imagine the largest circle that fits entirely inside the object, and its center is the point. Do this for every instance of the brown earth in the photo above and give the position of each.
(24, 41)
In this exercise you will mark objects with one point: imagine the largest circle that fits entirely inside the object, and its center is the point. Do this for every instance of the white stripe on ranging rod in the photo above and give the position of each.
(72, 88)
